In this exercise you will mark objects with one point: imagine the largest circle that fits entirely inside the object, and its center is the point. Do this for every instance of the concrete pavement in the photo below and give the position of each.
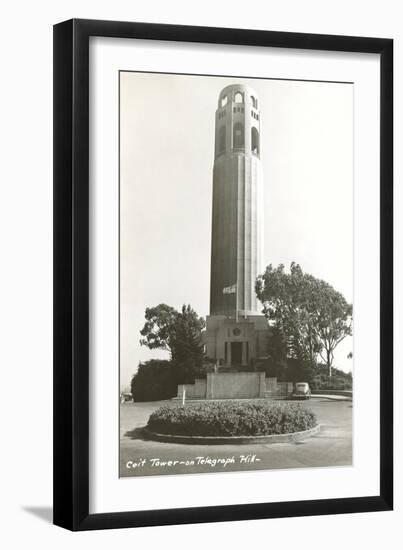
(332, 446)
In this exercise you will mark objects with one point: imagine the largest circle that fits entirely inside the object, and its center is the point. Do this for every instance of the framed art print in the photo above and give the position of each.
(223, 274)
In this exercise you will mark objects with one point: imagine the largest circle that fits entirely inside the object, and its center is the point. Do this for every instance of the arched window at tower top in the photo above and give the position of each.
(224, 101)
(238, 97)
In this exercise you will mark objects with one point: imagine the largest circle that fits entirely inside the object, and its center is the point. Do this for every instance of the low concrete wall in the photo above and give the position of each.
(278, 389)
(226, 385)
(233, 385)
(193, 391)
(284, 388)
(271, 387)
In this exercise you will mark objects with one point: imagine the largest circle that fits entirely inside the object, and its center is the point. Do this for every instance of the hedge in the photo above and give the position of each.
(153, 381)
(231, 418)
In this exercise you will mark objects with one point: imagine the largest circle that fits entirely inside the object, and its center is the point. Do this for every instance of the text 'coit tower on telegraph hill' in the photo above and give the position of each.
(236, 331)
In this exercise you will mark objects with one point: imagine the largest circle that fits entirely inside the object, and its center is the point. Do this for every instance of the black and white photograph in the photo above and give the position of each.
(200, 275)
(236, 274)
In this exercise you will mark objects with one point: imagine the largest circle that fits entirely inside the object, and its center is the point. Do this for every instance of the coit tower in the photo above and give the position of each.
(236, 332)
(237, 220)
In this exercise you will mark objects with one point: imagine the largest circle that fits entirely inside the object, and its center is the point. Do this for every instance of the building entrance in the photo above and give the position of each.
(236, 354)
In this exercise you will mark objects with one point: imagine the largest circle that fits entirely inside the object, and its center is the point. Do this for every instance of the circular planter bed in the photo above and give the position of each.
(239, 440)
(213, 422)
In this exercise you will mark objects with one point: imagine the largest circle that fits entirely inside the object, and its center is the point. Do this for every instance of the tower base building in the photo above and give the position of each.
(236, 343)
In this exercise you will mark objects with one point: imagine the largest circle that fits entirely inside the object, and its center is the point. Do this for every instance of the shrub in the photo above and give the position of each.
(153, 381)
(231, 418)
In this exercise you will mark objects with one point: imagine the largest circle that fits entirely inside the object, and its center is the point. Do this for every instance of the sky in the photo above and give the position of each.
(166, 167)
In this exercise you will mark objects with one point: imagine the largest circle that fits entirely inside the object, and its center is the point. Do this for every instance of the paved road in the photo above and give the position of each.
(331, 447)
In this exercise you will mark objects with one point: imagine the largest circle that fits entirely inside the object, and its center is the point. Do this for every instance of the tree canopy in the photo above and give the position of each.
(158, 330)
(309, 314)
(178, 332)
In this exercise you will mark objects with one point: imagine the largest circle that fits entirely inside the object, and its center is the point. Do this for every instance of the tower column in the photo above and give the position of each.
(237, 225)
(235, 321)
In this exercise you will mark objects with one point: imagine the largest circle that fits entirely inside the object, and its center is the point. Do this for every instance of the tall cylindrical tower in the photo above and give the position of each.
(237, 223)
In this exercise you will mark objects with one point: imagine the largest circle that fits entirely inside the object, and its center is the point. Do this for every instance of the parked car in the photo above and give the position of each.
(125, 397)
(302, 391)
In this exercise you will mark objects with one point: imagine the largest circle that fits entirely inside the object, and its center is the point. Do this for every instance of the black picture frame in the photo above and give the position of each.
(71, 273)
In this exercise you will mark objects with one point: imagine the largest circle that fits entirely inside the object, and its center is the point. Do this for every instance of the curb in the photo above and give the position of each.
(238, 440)
(331, 397)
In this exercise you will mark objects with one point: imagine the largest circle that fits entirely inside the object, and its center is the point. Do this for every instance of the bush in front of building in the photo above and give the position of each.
(339, 380)
(154, 381)
(231, 418)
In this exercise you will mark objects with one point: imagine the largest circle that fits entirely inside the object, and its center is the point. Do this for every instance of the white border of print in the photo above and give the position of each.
(108, 493)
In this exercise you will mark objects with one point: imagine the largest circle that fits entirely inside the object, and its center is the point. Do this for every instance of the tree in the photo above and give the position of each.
(180, 334)
(158, 329)
(275, 363)
(187, 351)
(334, 321)
(310, 314)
